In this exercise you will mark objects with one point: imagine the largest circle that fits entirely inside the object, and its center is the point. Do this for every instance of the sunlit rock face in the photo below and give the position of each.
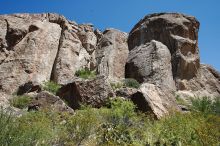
(111, 54)
(161, 52)
(29, 44)
(178, 32)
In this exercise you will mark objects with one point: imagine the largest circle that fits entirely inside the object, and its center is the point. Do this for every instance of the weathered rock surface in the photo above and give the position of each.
(4, 101)
(46, 100)
(150, 63)
(178, 32)
(95, 92)
(111, 54)
(29, 48)
(156, 100)
(207, 83)
(126, 92)
(164, 56)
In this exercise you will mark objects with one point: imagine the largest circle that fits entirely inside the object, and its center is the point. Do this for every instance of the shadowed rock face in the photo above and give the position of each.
(96, 92)
(178, 32)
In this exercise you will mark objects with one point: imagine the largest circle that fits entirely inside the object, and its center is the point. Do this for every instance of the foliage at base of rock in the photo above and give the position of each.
(21, 101)
(51, 87)
(117, 125)
(85, 74)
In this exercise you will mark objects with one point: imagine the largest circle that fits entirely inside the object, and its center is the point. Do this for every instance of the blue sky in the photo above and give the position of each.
(124, 14)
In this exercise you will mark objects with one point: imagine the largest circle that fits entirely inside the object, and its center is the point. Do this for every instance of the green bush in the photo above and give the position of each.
(34, 128)
(51, 87)
(85, 74)
(206, 105)
(131, 83)
(117, 85)
(118, 124)
(82, 127)
(21, 101)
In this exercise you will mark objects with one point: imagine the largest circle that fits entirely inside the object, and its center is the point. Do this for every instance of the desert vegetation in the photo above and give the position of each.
(85, 74)
(117, 124)
(129, 82)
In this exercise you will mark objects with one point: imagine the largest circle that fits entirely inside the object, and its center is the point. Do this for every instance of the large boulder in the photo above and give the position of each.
(111, 54)
(28, 49)
(45, 100)
(158, 101)
(178, 32)
(151, 63)
(95, 92)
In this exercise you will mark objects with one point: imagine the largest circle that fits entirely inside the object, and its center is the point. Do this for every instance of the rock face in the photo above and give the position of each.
(178, 32)
(151, 63)
(158, 101)
(111, 54)
(94, 92)
(126, 92)
(28, 49)
(207, 83)
(161, 52)
(46, 100)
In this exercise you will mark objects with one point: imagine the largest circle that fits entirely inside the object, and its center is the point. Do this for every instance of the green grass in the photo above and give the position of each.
(119, 125)
(131, 83)
(116, 85)
(85, 74)
(206, 105)
(21, 102)
(51, 87)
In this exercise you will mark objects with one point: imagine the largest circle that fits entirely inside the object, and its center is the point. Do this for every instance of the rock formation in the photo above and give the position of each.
(179, 33)
(161, 52)
(111, 54)
(151, 63)
(94, 92)
(45, 100)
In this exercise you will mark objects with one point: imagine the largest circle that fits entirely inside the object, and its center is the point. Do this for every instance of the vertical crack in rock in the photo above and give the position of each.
(56, 58)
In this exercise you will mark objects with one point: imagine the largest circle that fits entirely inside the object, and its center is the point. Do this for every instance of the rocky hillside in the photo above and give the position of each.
(161, 52)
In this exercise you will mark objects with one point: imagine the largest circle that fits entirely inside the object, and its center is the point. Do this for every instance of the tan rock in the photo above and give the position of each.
(156, 100)
(111, 54)
(32, 46)
(151, 63)
(178, 32)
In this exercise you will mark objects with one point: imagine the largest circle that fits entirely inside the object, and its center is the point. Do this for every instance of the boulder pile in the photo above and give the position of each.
(161, 52)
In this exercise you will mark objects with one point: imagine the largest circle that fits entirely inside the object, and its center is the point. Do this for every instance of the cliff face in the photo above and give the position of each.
(161, 52)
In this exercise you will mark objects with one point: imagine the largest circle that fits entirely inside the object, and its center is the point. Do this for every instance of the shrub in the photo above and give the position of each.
(51, 87)
(117, 125)
(178, 129)
(21, 101)
(34, 128)
(180, 101)
(117, 85)
(209, 131)
(82, 127)
(206, 105)
(131, 83)
(85, 74)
